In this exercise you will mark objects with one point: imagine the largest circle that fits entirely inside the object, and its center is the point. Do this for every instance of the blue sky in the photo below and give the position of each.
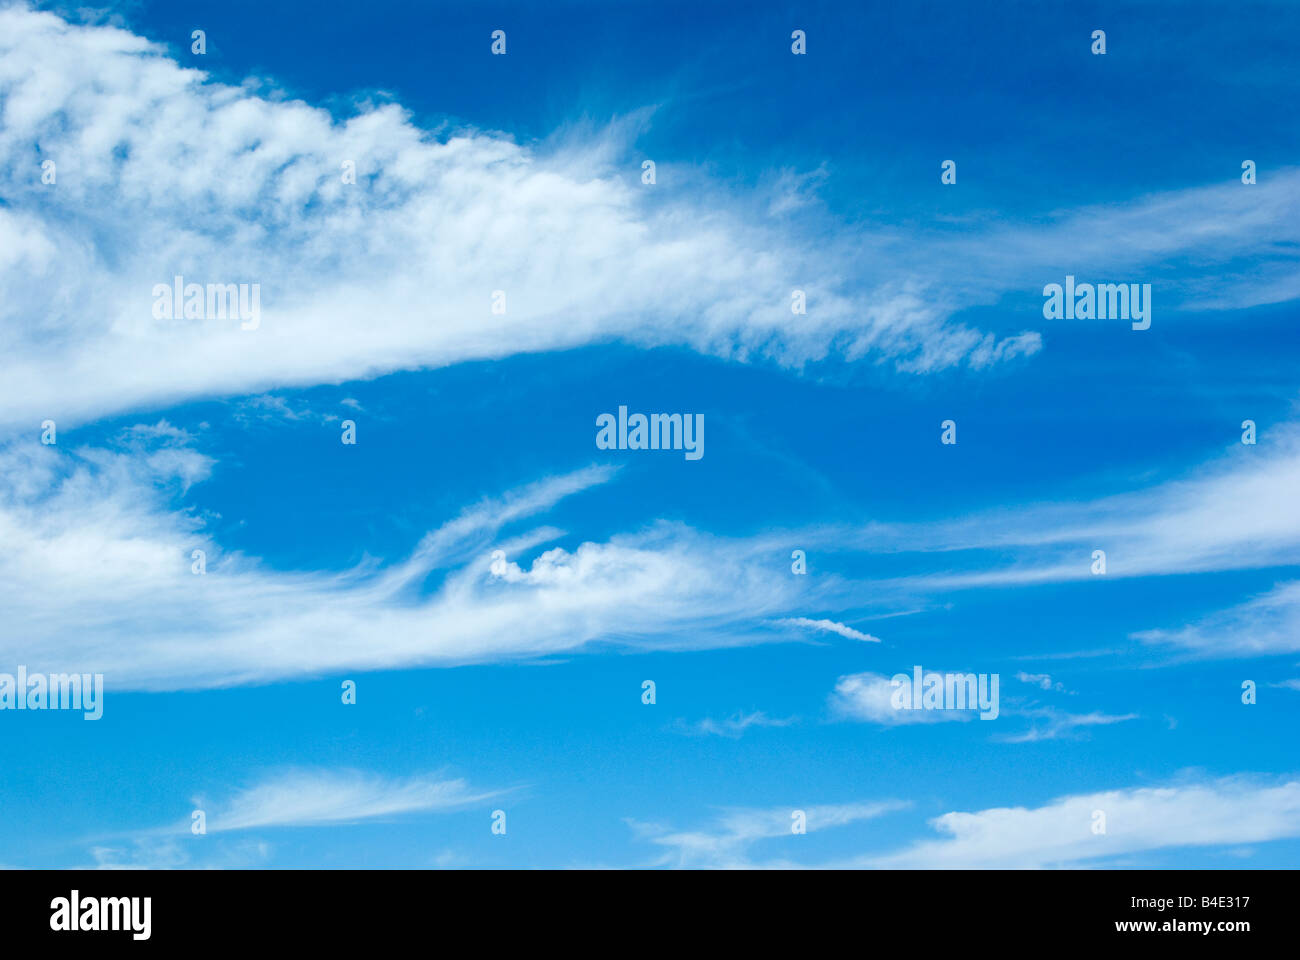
(521, 691)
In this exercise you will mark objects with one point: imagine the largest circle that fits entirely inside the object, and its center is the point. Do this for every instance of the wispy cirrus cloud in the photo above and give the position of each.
(288, 798)
(1140, 820)
(439, 220)
(396, 271)
(320, 797)
(733, 726)
(1049, 723)
(156, 852)
(1261, 626)
(1041, 680)
(729, 840)
(1234, 511)
(1139, 824)
(141, 616)
(829, 626)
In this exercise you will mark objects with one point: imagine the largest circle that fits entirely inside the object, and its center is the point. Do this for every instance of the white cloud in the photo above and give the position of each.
(305, 798)
(1056, 724)
(727, 842)
(1110, 242)
(793, 190)
(269, 408)
(96, 576)
(868, 697)
(1041, 680)
(163, 172)
(830, 626)
(313, 797)
(1262, 626)
(1138, 820)
(735, 725)
(1237, 511)
(168, 853)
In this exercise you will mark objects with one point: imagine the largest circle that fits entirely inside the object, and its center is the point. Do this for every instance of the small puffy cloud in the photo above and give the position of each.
(1043, 681)
(869, 697)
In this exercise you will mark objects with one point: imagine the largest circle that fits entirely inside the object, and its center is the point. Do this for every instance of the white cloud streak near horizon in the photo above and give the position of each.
(1232, 810)
(1138, 821)
(307, 798)
(726, 842)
